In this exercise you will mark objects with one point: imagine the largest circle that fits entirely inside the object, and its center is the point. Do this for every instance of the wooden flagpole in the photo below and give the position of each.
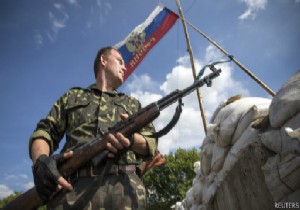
(193, 65)
(255, 78)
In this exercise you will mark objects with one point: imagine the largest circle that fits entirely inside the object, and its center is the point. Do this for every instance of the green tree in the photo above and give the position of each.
(169, 183)
(11, 197)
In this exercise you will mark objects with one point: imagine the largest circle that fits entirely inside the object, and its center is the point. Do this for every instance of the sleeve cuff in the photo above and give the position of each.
(43, 135)
(151, 142)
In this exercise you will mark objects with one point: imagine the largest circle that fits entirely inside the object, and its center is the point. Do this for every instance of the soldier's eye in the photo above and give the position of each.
(120, 61)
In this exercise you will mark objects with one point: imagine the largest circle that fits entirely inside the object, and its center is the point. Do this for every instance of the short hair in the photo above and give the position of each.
(103, 51)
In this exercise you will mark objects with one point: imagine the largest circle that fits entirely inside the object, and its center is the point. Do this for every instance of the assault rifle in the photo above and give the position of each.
(95, 149)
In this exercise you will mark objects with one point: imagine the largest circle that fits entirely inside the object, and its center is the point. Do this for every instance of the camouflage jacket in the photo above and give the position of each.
(85, 114)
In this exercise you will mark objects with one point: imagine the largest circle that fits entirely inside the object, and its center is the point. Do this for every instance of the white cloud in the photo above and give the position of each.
(146, 97)
(189, 131)
(105, 9)
(253, 6)
(58, 18)
(5, 191)
(28, 185)
(38, 38)
(73, 2)
(15, 177)
(142, 82)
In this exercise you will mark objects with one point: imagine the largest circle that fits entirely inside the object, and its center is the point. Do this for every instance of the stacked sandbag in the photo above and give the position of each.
(232, 119)
(282, 171)
(286, 104)
(237, 125)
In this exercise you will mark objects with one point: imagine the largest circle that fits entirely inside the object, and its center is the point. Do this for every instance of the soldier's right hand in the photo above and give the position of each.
(47, 179)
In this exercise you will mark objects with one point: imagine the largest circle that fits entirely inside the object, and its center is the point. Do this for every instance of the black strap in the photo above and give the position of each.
(171, 124)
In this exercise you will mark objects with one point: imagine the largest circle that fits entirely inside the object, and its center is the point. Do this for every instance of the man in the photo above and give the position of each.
(83, 115)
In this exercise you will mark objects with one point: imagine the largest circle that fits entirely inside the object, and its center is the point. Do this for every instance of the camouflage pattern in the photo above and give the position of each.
(116, 192)
(85, 114)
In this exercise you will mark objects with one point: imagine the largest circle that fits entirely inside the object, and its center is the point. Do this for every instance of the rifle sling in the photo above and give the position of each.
(171, 124)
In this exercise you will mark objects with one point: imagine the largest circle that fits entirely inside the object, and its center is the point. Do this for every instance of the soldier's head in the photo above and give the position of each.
(109, 66)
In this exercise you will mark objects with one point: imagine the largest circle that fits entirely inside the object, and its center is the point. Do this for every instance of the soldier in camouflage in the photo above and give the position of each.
(83, 115)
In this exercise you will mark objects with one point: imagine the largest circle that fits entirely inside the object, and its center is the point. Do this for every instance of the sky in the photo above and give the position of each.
(47, 47)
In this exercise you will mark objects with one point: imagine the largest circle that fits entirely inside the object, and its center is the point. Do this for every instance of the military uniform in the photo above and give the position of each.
(83, 115)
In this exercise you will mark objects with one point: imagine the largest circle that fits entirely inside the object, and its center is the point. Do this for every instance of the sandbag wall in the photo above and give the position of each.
(250, 133)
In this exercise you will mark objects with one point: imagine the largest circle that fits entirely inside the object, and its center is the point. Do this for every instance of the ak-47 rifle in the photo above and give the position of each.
(95, 149)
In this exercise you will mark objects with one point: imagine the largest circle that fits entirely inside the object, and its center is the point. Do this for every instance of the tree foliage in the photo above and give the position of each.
(169, 183)
(11, 197)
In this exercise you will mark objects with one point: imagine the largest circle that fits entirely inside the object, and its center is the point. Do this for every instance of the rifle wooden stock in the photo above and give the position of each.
(30, 200)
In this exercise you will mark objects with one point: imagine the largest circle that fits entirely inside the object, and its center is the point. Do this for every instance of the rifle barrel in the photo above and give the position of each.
(177, 94)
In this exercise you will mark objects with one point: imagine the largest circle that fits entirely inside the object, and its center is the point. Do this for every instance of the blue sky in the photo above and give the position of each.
(48, 47)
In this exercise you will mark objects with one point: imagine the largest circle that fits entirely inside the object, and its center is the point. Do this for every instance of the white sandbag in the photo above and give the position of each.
(194, 207)
(206, 157)
(218, 157)
(197, 191)
(249, 136)
(229, 116)
(255, 112)
(278, 141)
(295, 134)
(229, 163)
(212, 129)
(210, 178)
(197, 168)
(286, 103)
(293, 123)
(218, 109)
(272, 140)
(223, 104)
(178, 206)
(189, 198)
(209, 193)
(282, 174)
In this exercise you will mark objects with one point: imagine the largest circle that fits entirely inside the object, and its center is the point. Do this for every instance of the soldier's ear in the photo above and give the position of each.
(103, 60)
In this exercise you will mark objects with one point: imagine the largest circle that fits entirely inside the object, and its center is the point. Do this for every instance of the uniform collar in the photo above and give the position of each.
(95, 88)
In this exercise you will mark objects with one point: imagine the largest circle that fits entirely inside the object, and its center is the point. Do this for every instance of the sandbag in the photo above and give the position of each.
(223, 104)
(206, 157)
(286, 103)
(282, 174)
(228, 117)
(218, 157)
(255, 112)
(249, 136)
(197, 166)
(278, 141)
(197, 190)
(293, 123)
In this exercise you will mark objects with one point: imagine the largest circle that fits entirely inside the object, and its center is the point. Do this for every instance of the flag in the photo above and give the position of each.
(157, 160)
(141, 40)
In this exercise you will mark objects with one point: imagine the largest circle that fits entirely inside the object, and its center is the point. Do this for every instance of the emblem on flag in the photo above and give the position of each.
(135, 42)
(141, 40)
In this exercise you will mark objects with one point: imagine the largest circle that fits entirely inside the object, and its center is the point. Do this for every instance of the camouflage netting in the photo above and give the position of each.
(251, 154)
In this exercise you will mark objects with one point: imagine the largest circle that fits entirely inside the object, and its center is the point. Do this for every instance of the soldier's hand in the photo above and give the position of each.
(118, 141)
(47, 179)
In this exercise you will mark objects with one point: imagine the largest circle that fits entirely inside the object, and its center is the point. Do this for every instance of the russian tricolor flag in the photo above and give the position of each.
(141, 40)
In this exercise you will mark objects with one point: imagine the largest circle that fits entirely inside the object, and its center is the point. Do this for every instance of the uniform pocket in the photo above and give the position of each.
(80, 110)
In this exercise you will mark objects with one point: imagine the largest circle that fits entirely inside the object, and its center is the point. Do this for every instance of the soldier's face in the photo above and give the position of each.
(115, 68)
